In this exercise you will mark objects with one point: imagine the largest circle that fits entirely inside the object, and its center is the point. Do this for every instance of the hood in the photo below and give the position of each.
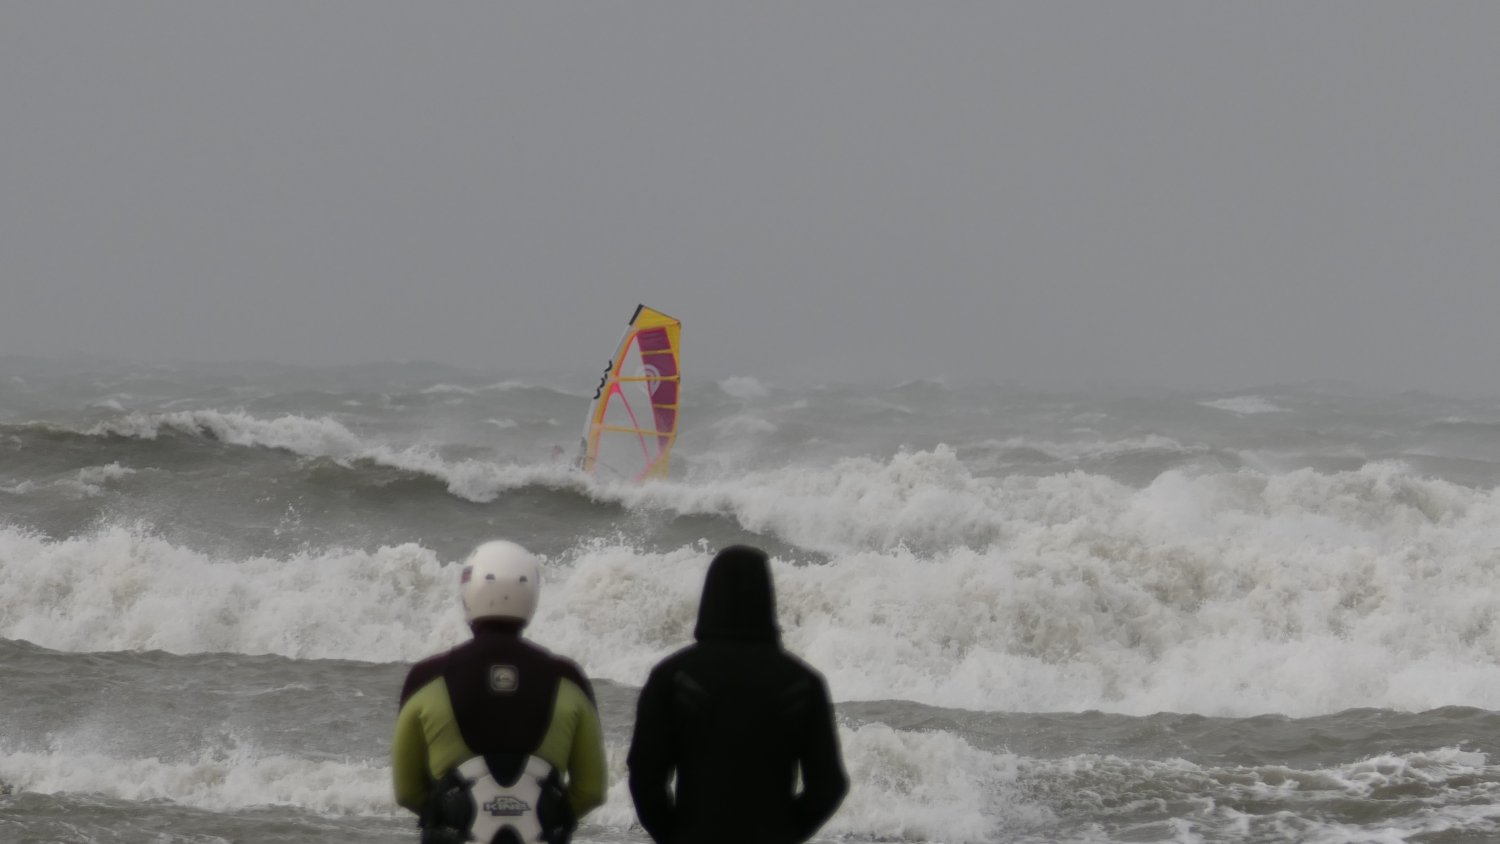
(739, 601)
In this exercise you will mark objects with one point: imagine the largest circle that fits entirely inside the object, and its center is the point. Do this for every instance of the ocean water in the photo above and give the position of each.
(1108, 616)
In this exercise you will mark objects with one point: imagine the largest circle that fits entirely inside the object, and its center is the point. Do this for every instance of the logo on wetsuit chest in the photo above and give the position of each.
(504, 678)
(507, 807)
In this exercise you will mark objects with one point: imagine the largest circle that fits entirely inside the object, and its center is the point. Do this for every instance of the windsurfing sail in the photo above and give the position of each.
(632, 422)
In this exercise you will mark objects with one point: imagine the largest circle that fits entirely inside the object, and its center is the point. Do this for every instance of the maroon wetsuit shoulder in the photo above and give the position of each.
(421, 674)
(503, 689)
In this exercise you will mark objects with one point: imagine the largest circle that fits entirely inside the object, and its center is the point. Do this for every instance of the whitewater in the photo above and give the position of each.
(1045, 616)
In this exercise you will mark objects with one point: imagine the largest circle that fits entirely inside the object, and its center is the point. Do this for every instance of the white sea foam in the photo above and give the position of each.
(1231, 593)
(1095, 449)
(1245, 405)
(93, 478)
(302, 435)
(446, 389)
(88, 482)
(474, 480)
(1127, 796)
(513, 384)
(744, 387)
(215, 781)
(123, 589)
(459, 389)
(744, 425)
(906, 786)
(925, 498)
(930, 786)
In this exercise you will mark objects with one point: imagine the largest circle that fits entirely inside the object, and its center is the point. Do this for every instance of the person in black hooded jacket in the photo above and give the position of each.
(735, 718)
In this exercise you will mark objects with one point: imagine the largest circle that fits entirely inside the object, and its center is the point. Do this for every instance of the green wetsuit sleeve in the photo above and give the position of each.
(575, 744)
(409, 758)
(426, 745)
(587, 769)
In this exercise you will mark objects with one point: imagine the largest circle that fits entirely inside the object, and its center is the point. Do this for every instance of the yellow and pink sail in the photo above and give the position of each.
(632, 422)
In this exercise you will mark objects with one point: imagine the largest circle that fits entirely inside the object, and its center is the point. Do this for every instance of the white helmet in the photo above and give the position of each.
(500, 580)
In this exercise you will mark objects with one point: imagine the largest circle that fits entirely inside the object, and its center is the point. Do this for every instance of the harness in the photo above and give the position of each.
(499, 799)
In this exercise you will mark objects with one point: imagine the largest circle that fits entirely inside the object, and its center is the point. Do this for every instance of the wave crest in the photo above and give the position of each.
(474, 480)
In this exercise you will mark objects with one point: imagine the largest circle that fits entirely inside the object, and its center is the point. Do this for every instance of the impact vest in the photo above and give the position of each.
(487, 735)
(499, 800)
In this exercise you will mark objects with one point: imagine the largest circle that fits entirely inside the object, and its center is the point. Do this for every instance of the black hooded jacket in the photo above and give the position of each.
(735, 717)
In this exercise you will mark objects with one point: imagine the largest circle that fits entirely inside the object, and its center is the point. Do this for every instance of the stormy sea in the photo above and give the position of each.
(1108, 615)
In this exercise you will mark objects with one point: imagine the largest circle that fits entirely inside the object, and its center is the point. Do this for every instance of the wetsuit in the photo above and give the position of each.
(734, 717)
(528, 714)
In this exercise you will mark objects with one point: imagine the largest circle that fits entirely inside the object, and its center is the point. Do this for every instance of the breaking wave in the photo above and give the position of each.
(907, 786)
(1233, 594)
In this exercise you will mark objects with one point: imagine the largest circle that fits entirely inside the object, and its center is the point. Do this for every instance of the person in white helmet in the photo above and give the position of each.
(498, 740)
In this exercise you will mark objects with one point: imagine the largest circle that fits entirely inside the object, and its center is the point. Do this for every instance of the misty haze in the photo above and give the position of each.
(1111, 385)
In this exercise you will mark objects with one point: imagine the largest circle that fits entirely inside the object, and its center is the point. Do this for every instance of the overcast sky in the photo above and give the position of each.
(1194, 193)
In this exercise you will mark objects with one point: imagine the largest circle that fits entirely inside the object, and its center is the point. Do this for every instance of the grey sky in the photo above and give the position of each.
(1208, 193)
